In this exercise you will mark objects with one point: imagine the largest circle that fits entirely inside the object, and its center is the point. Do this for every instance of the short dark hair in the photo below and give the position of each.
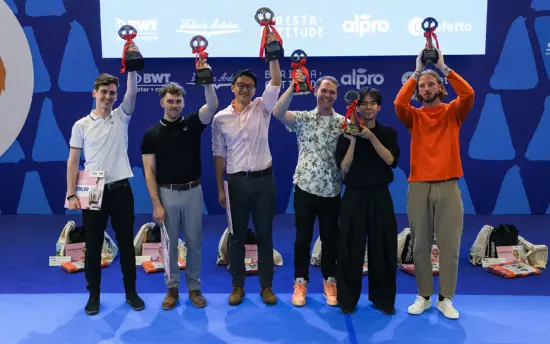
(172, 88)
(373, 92)
(245, 72)
(105, 79)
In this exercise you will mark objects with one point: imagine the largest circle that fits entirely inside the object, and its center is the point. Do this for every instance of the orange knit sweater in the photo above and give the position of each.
(435, 145)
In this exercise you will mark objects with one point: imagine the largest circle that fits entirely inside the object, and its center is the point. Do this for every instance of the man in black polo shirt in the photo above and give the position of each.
(366, 160)
(172, 163)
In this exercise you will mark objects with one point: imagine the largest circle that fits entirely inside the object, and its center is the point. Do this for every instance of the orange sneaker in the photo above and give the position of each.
(330, 293)
(300, 291)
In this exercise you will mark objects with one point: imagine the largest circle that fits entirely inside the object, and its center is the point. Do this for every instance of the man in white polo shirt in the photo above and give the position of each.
(103, 137)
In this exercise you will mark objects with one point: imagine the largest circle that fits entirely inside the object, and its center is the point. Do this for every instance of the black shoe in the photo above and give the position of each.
(347, 309)
(385, 309)
(135, 301)
(92, 307)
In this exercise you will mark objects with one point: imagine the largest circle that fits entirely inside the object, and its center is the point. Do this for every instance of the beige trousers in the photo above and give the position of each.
(436, 207)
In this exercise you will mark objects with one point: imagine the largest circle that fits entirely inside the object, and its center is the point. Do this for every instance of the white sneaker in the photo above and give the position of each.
(446, 307)
(420, 305)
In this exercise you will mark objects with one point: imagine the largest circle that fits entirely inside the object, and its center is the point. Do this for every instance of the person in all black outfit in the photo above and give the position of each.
(366, 161)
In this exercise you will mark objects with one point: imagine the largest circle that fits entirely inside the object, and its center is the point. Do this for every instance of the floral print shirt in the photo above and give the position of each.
(316, 171)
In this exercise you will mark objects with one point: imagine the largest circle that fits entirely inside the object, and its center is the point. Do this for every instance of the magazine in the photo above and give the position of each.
(89, 189)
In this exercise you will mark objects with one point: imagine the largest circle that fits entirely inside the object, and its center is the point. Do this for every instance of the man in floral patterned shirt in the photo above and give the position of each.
(317, 183)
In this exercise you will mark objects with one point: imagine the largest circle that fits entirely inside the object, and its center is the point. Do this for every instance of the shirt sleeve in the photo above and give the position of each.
(77, 136)
(300, 118)
(341, 150)
(123, 116)
(391, 144)
(218, 142)
(195, 121)
(148, 143)
(269, 97)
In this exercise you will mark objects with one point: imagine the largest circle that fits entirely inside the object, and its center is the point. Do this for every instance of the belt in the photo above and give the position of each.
(118, 184)
(442, 180)
(254, 174)
(182, 187)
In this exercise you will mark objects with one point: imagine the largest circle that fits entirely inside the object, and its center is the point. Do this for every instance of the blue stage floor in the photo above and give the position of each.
(58, 318)
(42, 304)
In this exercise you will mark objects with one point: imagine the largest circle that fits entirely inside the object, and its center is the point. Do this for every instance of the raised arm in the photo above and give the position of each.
(281, 112)
(207, 111)
(129, 101)
(402, 102)
(465, 93)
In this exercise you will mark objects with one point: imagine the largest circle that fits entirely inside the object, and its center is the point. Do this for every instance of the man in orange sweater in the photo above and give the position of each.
(434, 203)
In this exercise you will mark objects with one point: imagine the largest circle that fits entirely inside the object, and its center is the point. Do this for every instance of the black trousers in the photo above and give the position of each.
(307, 207)
(367, 212)
(252, 195)
(118, 203)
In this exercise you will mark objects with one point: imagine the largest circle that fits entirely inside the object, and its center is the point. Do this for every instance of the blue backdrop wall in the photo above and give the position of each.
(504, 141)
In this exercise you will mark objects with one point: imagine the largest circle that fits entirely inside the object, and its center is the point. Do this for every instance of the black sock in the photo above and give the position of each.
(441, 298)
(426, 297)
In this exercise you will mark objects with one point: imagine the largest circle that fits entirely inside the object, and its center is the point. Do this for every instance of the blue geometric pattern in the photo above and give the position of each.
(508, 126)
(13, 155)
(42, 81)
(41, 8)
(33, 198)
(516, 69)
(539, 147)
(12, 6)
(540, 5)
(491, 140)
(512, 198)
(49, 145)
(78, 68)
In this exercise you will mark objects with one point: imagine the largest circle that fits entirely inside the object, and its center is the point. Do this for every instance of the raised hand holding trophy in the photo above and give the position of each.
(354, 126)
(429, 54)
(270, 49)
(298, 58)
(132, 60)
(203, 74)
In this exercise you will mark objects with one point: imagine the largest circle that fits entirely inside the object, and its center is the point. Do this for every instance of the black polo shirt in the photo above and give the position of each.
(368, 169)
(177, 149)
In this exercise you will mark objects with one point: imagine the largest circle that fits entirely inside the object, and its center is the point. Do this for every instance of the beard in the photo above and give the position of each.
(430, 99)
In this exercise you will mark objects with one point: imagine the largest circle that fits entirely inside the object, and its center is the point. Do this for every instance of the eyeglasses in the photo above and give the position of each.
(242, 86)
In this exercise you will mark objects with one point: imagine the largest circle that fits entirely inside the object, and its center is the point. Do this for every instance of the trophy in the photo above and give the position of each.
(298, 58)
(131, 60)
(429, 54)
(272, 50)
(203, 75)
(354, 126)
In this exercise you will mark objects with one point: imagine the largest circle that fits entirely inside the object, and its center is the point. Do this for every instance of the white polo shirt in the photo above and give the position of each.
(104, 143)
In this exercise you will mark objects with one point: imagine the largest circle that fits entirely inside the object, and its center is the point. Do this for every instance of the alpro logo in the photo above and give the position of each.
(223, 80)
(363, 25)
(359, 78)
(415, 26)
(16, 78)
(286, 77)
(147, 29)
(152, 82)
(300, 26)
(218, 26)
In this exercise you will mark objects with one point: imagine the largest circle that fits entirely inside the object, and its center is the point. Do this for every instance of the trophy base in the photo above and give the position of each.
(134, 61)
(204, 77)
(273, 51)
(302, 89)
(430, 56)
(352, 129)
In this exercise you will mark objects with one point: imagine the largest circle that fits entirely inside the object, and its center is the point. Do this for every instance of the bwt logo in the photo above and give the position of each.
(362, 24)
(415, 26)
(358, 78)
(153, 78)
(143, 26)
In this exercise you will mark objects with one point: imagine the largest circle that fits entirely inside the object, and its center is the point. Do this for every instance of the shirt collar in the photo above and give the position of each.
(93, 116)
(167, 123)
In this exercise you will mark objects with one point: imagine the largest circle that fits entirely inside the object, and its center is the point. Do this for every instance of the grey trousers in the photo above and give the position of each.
(435, 207)
(184, 207)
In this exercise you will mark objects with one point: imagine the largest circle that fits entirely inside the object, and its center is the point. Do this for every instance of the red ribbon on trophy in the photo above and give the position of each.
(128, 37)
(198, 49)
(352, 98)
(268, 24)
(299, 59)
(429, 32)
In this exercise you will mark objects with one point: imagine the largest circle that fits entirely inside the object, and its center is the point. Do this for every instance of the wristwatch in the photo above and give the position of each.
(71, 197)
